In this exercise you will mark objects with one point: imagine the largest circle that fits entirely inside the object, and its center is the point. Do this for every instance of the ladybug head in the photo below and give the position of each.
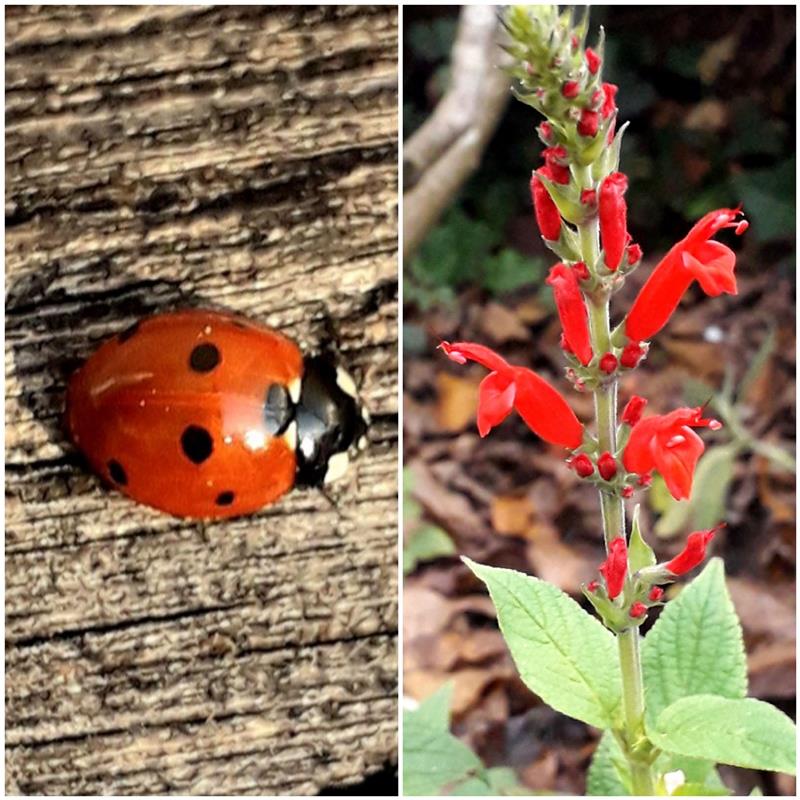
(330, 423)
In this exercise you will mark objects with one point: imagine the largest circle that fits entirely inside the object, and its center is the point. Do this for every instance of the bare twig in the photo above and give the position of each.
(442, 154)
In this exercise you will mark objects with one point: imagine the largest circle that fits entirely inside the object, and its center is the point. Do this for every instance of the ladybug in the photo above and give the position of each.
(205, 414)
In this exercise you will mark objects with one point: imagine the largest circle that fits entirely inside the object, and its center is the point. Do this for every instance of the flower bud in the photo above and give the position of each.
(608, 363)
(656, 593)
(588, 197)
(607, 466)
(627, 491)
(570, 89)
(638, 610)
(581, 270)
(592, 61)
(609, 102)
(545, 131)
(645, 480)
(592, 586)
(547, 216)
(613, 218)
(615, 568)
(631, 355)
(555, 158)
(582, 465)
(634, 254)
(589, 122)
(633, 410)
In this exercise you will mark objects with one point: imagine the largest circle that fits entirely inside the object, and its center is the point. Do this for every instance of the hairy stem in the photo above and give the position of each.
(613, 511)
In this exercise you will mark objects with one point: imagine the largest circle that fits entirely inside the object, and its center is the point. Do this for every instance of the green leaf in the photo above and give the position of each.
(695, 646)
(562, 653)
(745, 733)
(605, 777)
(435, 761)
(426, 544)
(640, 554)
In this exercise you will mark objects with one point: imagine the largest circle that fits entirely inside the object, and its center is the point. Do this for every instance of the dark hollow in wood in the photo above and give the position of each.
(230, 157)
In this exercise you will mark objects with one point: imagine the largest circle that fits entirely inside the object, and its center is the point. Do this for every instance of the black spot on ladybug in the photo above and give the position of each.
(278, 409)
(204, 358)
(117, 473)
(128, 332)
(225, 498)
(197, 444)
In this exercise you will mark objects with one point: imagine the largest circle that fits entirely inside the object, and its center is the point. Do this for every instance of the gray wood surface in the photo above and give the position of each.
(164, 157)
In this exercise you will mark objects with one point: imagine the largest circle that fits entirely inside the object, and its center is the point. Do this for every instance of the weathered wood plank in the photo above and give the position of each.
(163, 157)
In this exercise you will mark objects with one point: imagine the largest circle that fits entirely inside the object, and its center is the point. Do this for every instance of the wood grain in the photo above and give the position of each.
(228, 157)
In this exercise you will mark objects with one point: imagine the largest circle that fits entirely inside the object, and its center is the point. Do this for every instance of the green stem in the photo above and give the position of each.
(613, 511)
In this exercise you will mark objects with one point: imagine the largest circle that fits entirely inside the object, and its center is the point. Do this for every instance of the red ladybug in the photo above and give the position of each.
(205, 414)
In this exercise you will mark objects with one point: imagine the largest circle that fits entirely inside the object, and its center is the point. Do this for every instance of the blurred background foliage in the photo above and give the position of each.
(712, 124)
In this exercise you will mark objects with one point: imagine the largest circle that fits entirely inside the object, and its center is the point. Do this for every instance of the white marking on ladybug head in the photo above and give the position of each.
(290, 436)
(294, 388)
(346, 383)
(337, 466)
(255, 439)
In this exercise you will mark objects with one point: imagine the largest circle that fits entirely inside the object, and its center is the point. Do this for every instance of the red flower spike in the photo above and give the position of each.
(570, 89)
(542, 407)
(638, 610)
(547, 216)
(592, 586)
(627, 491)
(615, 568)
(589, 122)
(571, 311)
(696, 257)
(582, 465)
(608, 363)
(694, 552)
(609, 100)
(592, 61)
(634, 254)
(667, 443)
(581, 270)
(656, 593)
(606, 466)
(631, 355)
(613, 218)
(588, 197)
(632, 412)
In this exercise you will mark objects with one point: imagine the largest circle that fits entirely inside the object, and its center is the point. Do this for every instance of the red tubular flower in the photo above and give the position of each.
(613, 218)
(696, 257)
(542, 407)
(667, 443)
(615, 568)
(592, 61)
(571, 311)
(656, 593)
(632, 412)
(588, 123)
(547, 216)
(638, 610)
(694, 552)
(582, 465)
(606, 466)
